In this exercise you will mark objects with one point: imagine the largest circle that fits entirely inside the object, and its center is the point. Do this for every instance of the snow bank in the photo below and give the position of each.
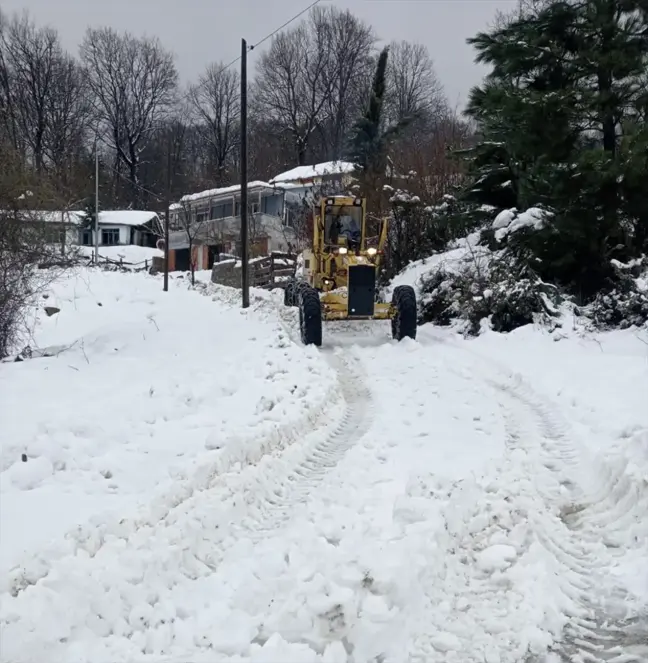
(149, 393)
(461, 253)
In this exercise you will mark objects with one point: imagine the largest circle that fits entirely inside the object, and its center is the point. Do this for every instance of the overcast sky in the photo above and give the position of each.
(203, 31)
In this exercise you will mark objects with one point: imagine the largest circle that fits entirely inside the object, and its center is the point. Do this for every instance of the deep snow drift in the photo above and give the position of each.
(440, 500)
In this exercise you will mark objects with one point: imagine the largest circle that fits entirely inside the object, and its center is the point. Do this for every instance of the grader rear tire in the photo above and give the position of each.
(310, 316)
(404, 322)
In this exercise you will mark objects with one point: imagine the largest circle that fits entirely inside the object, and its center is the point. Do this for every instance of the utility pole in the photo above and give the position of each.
(245, 276)
(96, 219)
(166, 215)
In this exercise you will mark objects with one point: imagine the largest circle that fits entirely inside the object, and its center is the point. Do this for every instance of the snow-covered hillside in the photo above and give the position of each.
(199, 486)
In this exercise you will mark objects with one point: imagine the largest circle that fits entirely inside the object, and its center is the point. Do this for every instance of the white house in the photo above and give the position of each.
(123, 227)
(116, 227)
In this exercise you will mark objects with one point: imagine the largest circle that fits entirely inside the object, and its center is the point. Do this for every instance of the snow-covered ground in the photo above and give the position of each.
(145, 390)
(230, 495)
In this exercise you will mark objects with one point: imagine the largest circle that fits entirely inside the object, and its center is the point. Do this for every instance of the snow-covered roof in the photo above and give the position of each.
(316, 170)
(106, 218)
(127, 217)
(223, 191)
(48, 216)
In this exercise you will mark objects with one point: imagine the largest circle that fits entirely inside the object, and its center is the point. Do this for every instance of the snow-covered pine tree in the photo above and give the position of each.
(564, 91)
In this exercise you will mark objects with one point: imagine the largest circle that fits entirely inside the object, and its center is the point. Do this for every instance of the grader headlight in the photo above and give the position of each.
(342, 250)
(372, 251)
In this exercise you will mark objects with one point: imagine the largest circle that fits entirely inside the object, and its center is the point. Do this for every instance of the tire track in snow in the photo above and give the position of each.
(597, 632)
(280, 483)
(284, 491)
(586, 534)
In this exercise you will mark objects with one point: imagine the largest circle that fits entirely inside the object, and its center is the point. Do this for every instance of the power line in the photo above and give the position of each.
(287, 23)
(270, 35)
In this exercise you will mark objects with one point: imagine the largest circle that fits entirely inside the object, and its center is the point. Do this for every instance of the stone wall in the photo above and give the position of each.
(227, 272)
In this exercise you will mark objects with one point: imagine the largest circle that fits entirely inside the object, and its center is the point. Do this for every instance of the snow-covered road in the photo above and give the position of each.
(430, 502)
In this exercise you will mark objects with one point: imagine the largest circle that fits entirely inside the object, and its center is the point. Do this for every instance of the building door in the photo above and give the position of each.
(182, 260)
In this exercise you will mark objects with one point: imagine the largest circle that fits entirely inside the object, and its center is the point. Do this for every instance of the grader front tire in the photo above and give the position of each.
(404, 322)
(310, 316)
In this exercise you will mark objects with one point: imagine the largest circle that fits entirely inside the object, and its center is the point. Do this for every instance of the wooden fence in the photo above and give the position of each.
(272, 271)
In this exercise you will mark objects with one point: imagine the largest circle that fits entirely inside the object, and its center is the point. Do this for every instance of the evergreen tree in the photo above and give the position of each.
(559, 111)
(370, 139)
(89, 210)
(367, 149)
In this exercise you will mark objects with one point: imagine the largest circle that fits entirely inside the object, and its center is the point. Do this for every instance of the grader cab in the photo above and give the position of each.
(339, 274)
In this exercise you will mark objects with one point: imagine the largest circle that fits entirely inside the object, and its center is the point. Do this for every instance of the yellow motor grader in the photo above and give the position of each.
(338, 275)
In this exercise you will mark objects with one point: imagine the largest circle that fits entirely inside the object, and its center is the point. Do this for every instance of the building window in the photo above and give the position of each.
(220, 210)
(271, 204)
(289, 218)
(54, 235)
(110, 237)
(86, 237)
(216, 211)
(254, 208)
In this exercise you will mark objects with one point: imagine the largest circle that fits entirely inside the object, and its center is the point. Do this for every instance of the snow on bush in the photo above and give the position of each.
(509, 221)
(491, 275)
(626, 305)
(485, 285)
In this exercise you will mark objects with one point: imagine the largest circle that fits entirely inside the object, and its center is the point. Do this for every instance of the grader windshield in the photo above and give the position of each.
(343, 221)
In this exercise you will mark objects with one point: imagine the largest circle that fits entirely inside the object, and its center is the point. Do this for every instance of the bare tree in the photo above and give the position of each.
(133, 81)
(173, 145)
(269, 151)
(32, 60)
(215, 102)
(291, 87)
(68, 111)
(9, 133)
(413, 87)
(346, 74)
(192, 229)
(25, 246)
